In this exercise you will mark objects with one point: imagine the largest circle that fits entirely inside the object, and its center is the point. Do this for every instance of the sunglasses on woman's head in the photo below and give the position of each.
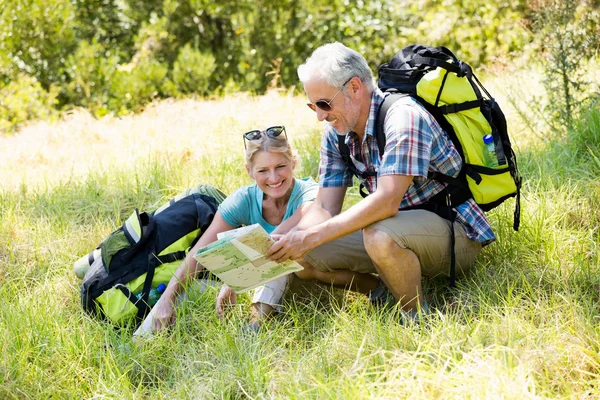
(272, 132)
(325, 105)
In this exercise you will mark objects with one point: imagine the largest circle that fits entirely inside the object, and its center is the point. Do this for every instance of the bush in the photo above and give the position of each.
(24, 99)
(91, 70)
(192, 71)
(567, 31)
(135, 85)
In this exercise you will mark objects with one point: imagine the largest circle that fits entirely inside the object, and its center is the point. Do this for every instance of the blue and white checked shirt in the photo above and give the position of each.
(415, 145)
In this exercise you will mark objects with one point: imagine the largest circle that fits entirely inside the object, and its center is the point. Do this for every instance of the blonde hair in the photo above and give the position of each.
(278, 144)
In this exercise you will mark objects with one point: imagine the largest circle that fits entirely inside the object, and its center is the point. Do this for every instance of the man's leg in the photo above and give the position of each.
(399, 268)
(342, 262)
(415, 243)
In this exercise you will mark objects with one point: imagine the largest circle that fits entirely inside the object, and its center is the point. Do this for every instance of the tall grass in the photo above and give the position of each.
(523, 325)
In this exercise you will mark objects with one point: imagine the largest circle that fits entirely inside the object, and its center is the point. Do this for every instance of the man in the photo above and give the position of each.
(379, 233)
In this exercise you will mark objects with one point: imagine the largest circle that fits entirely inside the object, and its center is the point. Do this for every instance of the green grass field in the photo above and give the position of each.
(523, 325)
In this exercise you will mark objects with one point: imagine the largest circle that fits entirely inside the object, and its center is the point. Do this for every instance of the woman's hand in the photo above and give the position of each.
(227, 296)
(164, 313)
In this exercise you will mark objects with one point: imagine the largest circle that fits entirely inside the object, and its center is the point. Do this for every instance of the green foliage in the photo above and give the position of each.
(192, 71)
(85, 47)
(569, 35)
(479, 32)
(136, 85)
(35, 37)
(91, 69)
(24, 99)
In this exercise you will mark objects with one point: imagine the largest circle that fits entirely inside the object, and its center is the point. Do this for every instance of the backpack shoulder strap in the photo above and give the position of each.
(345, 153)
(380, 120)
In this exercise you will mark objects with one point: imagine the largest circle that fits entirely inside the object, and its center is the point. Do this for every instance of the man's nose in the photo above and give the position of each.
(321, 115)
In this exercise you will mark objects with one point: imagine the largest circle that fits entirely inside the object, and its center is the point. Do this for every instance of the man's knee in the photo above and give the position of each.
(378, 242)
(382, 248)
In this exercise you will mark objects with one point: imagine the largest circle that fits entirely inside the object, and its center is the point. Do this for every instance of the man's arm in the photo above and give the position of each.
(384, 203)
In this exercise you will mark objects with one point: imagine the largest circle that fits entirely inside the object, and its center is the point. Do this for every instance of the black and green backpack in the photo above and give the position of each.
(449, 90)
(145, 252)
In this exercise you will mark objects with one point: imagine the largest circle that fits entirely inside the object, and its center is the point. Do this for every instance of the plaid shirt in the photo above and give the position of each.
(415, 145)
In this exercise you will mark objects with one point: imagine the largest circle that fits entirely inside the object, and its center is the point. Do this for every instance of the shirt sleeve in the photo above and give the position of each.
(308, 190)
(235, 209)
(332, 170)
(409, 139)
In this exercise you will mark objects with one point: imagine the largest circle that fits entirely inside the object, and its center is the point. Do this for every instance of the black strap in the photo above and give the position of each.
(486, 170)
(436, 62)
(441, 205)
(458, 107)
(91, 258)
(380, 120)
(143, 305)
(450, 180)
(130, 296)
(517, 215)
(147, 223)
(170, 257)
(452, 246)
(345, 154)
(437, 99)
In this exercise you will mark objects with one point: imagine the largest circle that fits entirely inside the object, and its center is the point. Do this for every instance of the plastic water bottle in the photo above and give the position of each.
(489, 152)
(154, 294)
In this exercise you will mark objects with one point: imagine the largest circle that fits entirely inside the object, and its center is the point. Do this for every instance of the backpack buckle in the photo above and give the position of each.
(465, 70)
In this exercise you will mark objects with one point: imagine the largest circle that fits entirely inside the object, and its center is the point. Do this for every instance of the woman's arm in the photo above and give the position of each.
(164, 310)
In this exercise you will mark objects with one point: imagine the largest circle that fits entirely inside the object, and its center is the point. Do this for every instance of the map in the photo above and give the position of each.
(238, 259)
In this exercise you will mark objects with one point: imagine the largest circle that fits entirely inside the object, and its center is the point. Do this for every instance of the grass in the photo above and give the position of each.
(523, 325)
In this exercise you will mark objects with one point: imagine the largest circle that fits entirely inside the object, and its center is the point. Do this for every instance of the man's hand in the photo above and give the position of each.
(291, 246)
(227, 296)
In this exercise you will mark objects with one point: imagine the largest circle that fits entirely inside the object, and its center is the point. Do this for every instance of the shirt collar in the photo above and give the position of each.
(376, 100)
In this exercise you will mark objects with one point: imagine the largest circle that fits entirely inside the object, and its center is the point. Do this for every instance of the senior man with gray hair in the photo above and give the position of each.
(387, 232)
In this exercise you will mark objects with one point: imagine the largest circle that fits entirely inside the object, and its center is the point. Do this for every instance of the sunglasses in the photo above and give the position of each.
(272, 132)
(325, 105)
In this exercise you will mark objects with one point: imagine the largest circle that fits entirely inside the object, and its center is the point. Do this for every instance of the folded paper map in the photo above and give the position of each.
(239, 259)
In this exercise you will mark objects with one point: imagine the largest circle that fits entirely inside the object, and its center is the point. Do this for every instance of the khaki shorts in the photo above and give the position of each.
(423, 232)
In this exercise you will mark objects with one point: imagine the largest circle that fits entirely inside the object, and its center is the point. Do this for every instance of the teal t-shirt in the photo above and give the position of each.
(244, 206)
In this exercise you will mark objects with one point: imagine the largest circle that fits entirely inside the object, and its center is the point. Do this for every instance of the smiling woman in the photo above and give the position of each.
(275, 201)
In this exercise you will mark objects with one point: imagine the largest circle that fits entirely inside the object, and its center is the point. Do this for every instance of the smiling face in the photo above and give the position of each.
(345, 112)
(272, 172)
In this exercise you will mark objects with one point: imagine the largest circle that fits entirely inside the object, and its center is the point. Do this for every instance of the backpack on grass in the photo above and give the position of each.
(449, 90)
(144, 253)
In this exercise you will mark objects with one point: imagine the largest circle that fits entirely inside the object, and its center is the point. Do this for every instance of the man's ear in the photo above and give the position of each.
(355, 85)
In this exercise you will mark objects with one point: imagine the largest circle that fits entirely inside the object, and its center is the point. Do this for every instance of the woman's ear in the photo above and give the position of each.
(249, 171)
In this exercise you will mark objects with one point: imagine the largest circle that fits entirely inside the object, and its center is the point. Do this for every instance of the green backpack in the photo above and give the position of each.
(449, 90)
(144, 253)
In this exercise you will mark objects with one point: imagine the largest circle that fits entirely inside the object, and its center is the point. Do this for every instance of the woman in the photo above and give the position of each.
(276, 201)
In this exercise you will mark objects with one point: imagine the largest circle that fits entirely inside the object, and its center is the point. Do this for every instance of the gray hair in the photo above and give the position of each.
(278, 144)
(336, 64)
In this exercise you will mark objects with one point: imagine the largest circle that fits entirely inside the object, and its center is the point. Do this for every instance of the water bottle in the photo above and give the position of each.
(82, 265)
(489, 152)
(154, 294)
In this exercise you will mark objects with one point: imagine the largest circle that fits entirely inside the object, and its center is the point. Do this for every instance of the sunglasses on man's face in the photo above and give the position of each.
(325, 105)
(273, 131)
